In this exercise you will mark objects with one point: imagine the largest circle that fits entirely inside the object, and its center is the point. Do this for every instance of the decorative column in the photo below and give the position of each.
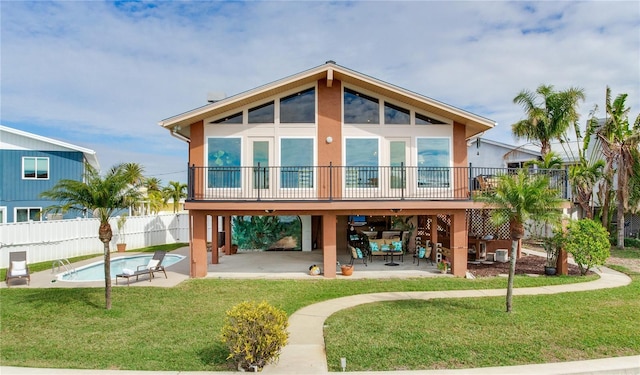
(227, 235)
(458, 243)
(198, 244)
(329, 248)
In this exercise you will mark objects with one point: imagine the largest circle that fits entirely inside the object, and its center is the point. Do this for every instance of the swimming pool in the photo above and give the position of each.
(95, 271)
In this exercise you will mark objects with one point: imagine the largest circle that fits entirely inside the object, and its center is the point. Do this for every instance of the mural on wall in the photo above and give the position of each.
(267, 232)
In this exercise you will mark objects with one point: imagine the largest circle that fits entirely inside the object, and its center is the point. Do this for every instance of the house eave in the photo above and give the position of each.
(330, 71)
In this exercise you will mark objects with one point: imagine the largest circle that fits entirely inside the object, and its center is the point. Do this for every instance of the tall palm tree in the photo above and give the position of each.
(620, 145)
(152, 184)
(102, 195)
(549, 116)
(175, 191)
(516, 199)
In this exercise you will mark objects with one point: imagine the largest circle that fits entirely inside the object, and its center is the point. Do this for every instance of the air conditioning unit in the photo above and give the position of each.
(502, 255)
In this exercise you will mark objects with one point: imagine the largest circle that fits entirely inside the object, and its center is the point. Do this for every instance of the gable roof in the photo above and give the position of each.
(15, 139)
(475, 124)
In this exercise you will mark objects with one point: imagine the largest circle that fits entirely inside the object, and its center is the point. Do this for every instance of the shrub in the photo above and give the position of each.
(254, 333)
(588, 242)
(632, 242)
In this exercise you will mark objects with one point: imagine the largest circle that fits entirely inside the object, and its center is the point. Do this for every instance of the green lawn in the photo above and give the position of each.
(178, 328)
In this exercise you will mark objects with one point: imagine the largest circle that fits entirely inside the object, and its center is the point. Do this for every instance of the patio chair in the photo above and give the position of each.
(18, 268)
(154, 265)
(423, 253)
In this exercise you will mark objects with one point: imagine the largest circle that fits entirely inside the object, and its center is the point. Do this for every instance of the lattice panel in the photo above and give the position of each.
(480, 225)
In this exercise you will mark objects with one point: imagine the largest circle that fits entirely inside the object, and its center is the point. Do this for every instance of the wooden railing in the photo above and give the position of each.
(353, 183)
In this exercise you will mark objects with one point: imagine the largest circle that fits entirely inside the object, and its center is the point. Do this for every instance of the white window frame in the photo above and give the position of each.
(281, 152)
(450, 164)
(36, 158)
(3, 217)
(15, 213)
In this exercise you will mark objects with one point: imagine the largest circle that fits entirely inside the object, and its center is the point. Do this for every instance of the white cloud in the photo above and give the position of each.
(104, 74)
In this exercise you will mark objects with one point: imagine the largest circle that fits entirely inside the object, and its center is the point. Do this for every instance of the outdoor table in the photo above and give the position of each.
(391, 263)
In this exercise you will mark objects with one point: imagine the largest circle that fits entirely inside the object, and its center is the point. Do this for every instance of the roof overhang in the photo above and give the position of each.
(179, 124)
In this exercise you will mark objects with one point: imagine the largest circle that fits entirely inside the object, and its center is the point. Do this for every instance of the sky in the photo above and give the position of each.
(101, 75)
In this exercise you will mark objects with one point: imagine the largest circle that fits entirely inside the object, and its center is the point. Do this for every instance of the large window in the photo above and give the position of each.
(235, 118)
(262, 114)
(296, 161)
(360, 108)
(28, 213)
(35, 168)
(396, 115)
(434, 161)
(426, 120)
(299, 107)
(224, 162)
(362, 160)
(398, 161)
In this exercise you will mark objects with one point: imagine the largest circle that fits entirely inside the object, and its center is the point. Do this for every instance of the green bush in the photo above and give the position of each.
(588, 242)
(255, 333)
(632, 242)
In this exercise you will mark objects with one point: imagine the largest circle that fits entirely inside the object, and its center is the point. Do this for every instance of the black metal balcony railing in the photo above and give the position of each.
(332, 183)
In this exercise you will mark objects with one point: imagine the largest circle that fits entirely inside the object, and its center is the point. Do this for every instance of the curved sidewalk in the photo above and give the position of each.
(305, 351)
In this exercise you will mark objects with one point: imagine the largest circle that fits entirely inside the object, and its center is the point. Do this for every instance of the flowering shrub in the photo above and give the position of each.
(255, 333)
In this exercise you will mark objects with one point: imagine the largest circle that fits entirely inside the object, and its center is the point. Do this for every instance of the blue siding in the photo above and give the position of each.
(17, 192)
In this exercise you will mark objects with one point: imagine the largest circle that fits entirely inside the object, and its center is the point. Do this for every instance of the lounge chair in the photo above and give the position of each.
(154, 265)
(18, 268)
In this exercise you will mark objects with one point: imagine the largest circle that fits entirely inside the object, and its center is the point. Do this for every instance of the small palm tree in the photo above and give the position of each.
(549, 116)
(620, 145)
(516, 199)
(175, 191)
(102, 195)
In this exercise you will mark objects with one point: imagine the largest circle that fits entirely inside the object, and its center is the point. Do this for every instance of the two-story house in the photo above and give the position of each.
(31, 164)
(329, 143)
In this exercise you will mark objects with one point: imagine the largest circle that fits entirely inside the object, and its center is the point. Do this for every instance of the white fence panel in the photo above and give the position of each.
(51, 240)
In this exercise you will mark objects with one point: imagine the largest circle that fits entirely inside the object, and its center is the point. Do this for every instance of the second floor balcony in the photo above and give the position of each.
(350, 183)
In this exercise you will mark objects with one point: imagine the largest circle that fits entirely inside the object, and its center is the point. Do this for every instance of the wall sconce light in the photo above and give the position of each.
(329, 139)
(396, 210)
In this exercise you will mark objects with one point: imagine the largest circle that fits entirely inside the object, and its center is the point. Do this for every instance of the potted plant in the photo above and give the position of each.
(443, 266)
(121, 245)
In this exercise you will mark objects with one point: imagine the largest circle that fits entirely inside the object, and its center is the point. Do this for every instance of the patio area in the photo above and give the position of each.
(247, 265)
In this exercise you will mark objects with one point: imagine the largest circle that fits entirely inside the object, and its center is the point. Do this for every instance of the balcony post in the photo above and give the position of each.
(403, 180)
(471, 180)
(259, 182)
(330, 181)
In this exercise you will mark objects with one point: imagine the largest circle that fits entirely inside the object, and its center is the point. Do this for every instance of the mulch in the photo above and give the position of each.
(525, 265)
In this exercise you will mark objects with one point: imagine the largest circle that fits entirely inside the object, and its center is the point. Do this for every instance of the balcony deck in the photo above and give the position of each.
(351, 183)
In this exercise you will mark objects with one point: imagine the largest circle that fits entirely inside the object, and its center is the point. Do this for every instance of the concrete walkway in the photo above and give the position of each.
(305, 351)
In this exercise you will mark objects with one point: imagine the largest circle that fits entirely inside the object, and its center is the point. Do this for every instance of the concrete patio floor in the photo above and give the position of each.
(246, 265)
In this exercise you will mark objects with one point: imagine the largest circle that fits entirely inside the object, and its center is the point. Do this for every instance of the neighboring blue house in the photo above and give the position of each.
(31, 164)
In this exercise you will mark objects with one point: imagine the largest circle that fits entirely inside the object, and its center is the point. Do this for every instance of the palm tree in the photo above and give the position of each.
(516, 199)
(549, 117)
(102, 195)
(176, 191)
(152, 184)
(620, 145)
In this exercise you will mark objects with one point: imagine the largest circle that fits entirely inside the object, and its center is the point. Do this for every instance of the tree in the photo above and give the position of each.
(152, 184)
(516, 199)
(175, 191)
(588, 167)
(620, 145)
(548, 117)
(102, 195)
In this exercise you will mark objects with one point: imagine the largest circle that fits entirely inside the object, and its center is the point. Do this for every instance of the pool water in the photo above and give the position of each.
(95, 271)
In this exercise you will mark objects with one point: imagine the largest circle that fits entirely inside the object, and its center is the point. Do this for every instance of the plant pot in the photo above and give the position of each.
(347, 270)
(121, 247)
(549, 271)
